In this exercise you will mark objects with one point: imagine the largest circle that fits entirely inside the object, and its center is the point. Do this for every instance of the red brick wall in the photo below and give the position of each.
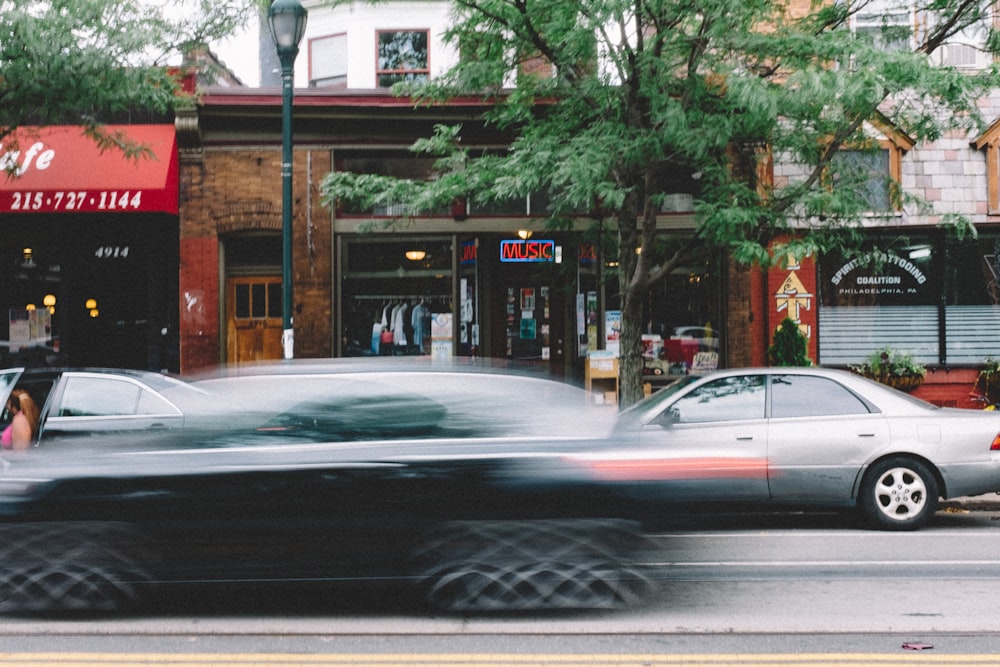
(231, 190)
(199, 303)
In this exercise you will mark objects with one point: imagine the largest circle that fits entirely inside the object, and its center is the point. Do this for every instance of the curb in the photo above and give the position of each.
(984, 503)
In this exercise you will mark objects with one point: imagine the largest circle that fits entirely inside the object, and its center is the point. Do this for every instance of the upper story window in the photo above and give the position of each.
(402, 55)
(385, 163)
(990, 142)
(889, 22)
(966, 50)
(867, 173)
(897, 26)
(874, 175)
(328, 61)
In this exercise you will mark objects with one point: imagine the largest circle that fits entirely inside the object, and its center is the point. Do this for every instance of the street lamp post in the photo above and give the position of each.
(287, 19)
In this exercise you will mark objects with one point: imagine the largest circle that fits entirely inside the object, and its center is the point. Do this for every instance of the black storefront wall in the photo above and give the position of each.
(114, 280)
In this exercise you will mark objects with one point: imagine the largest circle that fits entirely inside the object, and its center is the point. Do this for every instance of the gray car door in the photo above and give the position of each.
(819, 436)
(709, 443)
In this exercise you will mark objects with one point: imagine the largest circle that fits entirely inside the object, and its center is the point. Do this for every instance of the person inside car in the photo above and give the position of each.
(20, 432)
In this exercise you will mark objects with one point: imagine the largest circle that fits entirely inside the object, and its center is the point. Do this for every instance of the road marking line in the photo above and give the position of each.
(498, 660)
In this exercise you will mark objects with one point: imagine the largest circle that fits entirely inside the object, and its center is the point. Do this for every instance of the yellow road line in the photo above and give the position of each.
(901, 659)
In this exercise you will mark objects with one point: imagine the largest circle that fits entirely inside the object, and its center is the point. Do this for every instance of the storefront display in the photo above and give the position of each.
(392, 291)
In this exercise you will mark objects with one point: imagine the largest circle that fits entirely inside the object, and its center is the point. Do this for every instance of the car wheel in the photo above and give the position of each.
(531, 565)
(69, 567)
(899, 493)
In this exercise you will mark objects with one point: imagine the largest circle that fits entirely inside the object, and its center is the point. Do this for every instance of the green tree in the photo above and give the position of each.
(630, 90)
(83, 62)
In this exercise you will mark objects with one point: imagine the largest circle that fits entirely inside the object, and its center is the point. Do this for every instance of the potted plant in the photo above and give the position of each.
(988, 381)
(894, 368)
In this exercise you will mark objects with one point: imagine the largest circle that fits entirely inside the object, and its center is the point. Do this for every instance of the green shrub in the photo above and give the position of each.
(789, 347)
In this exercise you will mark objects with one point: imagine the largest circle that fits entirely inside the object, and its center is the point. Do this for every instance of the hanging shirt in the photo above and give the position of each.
(420, 319)
(399, 324)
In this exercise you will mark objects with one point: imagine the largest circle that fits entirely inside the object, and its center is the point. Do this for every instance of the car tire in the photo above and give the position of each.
(71, 567)
(531, 565)
(898, 493)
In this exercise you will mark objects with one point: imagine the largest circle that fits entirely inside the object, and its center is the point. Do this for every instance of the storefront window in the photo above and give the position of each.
(683, 315)
(392, 291)
(972, 300)
(886, 296)
(937, 299)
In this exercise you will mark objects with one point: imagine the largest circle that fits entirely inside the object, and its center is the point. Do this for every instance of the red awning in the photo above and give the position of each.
(59, 170)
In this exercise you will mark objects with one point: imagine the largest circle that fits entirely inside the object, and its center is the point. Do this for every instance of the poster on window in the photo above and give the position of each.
(529, 329)
(28, 327)
(441, 335)
(613, 331)
(592, 324)
(527, 299)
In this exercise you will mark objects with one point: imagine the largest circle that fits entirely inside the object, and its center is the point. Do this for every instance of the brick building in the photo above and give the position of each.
(350, 269)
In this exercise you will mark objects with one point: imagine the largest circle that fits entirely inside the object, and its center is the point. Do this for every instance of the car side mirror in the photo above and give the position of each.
(669, 417)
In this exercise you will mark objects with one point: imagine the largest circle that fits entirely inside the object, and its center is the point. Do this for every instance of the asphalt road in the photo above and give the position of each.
(755, 589)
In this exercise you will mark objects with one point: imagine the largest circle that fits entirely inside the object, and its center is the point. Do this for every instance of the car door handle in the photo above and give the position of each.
(866, 435)
(744, 437)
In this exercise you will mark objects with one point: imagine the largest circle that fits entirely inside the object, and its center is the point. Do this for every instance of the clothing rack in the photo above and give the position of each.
(400, 297)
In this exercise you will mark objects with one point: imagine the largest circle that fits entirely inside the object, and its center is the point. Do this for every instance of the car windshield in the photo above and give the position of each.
(660, 396)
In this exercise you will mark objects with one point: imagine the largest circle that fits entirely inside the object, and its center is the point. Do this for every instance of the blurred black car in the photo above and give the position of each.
(453, 484)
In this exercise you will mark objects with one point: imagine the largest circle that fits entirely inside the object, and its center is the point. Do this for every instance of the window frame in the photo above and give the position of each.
(990, 143)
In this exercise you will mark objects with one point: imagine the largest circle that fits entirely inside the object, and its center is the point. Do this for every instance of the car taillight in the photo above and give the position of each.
(995, 447)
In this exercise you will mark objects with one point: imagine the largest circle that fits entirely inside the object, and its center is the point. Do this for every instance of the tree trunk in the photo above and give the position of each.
(630, 360)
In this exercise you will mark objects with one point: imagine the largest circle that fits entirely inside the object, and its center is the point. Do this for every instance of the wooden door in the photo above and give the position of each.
(253, 319)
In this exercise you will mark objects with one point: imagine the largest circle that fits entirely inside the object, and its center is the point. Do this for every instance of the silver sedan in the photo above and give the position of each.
(802, 438)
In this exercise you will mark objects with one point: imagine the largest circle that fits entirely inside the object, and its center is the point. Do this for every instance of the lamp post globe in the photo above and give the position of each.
(287, 19)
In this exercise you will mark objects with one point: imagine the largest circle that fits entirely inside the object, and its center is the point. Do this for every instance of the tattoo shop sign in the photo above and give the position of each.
(884, 276)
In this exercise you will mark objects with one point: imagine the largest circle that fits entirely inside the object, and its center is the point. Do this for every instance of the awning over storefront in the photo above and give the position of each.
(59, 170)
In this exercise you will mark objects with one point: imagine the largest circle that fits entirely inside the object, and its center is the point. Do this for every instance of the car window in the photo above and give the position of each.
(808, 396)
(151, 404)
(724, 399)
(92, 396)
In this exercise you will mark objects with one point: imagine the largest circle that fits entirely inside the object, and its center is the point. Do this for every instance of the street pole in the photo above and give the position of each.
(287, 19)
(287, 332)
